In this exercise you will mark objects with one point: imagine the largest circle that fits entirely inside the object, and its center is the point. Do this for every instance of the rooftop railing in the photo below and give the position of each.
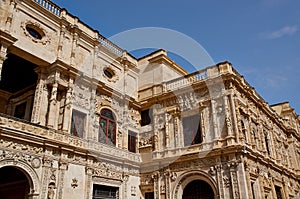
(187, 80)
(110, 46)
(48, 5)
(56, 10)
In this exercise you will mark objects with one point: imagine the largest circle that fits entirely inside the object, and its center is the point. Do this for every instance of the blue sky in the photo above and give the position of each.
(261, 38)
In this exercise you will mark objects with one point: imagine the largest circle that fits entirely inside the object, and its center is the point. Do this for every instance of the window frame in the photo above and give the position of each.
(108, 122)
(73, 123)
(196, 135)
(132, 136)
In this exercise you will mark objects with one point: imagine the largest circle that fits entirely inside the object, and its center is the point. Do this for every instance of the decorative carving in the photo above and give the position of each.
(163, 188)
(34, 26)
(81, 95)
(226, 180)
(146, 179)
(110, 74)
(51, 192)
(36, 163)
(133, 190)
(74, 183)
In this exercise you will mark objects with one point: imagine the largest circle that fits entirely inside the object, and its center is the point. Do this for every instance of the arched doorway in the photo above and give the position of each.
(13, 183)
(198, 189)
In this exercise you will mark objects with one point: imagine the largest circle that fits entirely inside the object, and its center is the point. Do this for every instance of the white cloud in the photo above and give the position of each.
(285, 31)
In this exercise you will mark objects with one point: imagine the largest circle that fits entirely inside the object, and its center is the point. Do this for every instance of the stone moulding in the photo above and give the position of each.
(59, 137)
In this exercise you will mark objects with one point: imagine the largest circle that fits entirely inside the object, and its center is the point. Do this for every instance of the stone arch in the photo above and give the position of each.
(113, 119)
(111, 109)
(30, 174)
(189, 176)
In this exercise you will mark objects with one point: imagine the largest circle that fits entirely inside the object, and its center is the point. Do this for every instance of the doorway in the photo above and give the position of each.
(13, 183)
(198, 189)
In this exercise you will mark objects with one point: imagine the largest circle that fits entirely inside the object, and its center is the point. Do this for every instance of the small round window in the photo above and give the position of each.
(109, 73)
(34, 32)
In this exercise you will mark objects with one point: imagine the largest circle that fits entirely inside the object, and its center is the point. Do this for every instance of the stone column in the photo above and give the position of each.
(63, 166)
(88, 185)
(67, 110)
(126, 190)
(248, 180)
(3, 53)
(10, 16)
(232, 106)
(38, 98)
(168, 184)
(214, 120)
(155, 134)
(47, 165)
(156, 179)
(167, 130)
(220, 181)
(52, 106)
(228, 123)
(176, 131)
(234, 180)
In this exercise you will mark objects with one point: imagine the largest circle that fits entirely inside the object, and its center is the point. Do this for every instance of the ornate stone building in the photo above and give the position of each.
(82, 118)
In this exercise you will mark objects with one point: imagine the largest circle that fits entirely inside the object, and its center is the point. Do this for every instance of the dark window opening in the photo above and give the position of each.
(109, 73)
(78, 123)
(192, 130)
(278, 192)
(105, 192)
(33, 32)
(107, 128)
(132, 136)
(149, 195)
(20, 110)
(17, 86)
(17, 74)
(146, 116)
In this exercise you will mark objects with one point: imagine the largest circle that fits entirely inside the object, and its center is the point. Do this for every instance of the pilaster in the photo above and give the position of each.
(67, 109)
(52, 106)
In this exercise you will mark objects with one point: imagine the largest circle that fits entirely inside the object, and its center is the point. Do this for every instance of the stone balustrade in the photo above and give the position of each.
(48, 5)
(110, 46)
(61, 13)
(13, 124)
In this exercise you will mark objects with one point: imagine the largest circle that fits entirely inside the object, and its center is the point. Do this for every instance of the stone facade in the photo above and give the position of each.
(82, 118)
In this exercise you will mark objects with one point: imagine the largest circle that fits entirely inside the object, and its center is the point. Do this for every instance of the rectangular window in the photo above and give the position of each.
(105, 192)
(149, 195)
(278, 192)
(78, 123)
(132, 136)
(192, 130)
(146, 116)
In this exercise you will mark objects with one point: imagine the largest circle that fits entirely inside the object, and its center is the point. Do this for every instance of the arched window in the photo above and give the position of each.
(107, 128)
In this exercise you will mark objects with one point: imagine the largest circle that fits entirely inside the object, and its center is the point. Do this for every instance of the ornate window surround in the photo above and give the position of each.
(114, 76)
(108, 121)
(38, 28)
